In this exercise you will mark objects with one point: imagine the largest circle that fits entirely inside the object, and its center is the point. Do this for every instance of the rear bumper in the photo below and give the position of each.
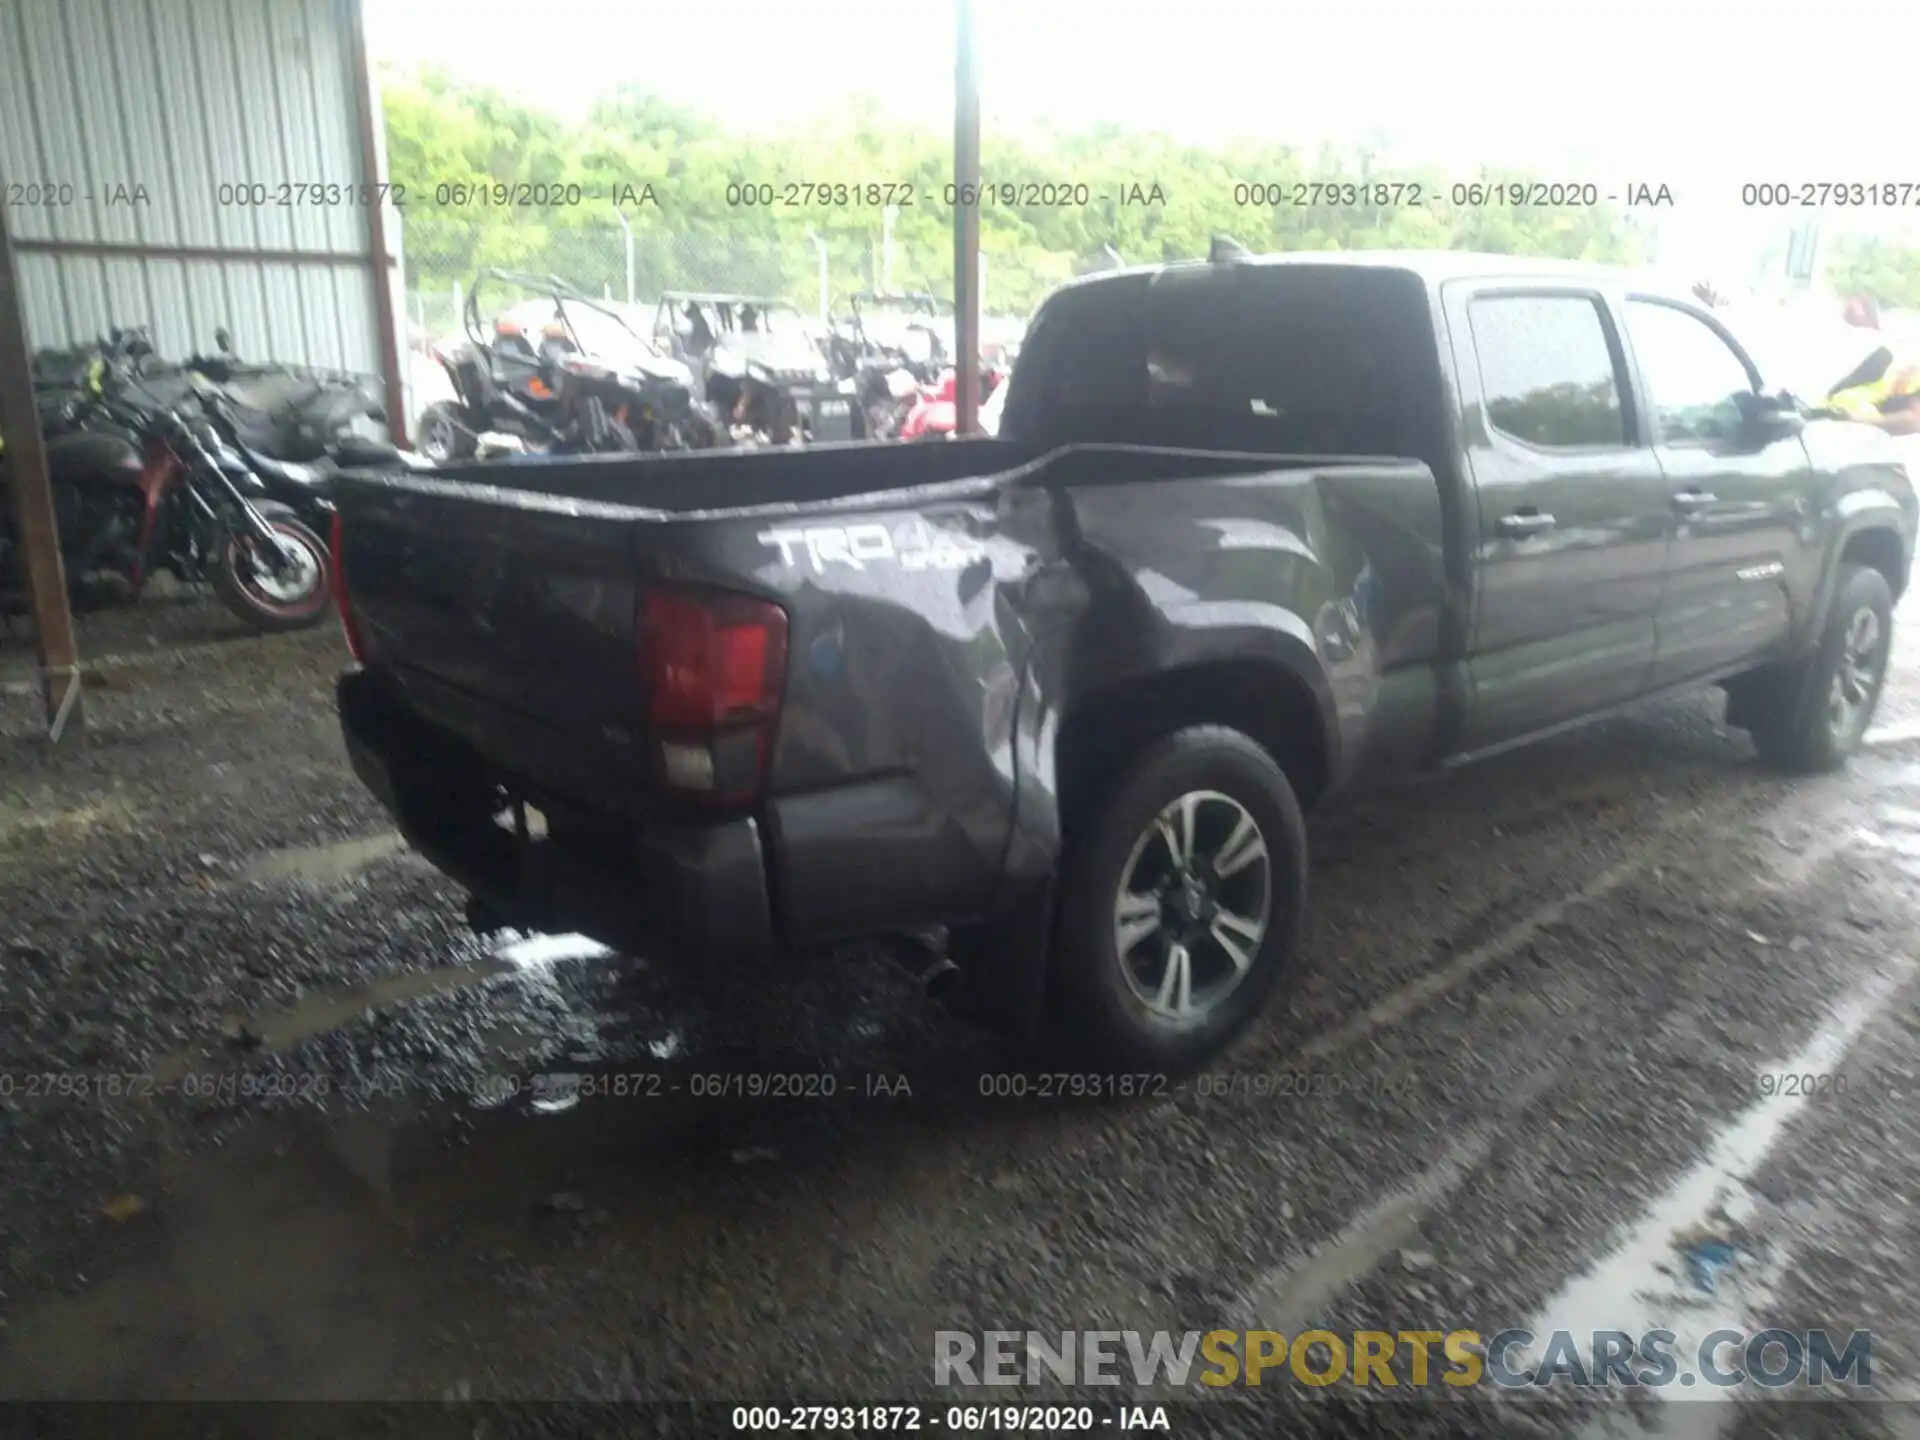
(700, 888)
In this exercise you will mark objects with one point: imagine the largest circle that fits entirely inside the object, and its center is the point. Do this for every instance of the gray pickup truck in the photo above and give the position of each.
(1252, 528)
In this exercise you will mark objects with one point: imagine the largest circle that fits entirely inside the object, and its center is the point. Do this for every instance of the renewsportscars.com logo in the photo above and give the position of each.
(1381, 1359)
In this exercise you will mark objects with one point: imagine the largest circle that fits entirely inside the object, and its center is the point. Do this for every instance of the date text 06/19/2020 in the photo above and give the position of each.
(1062, 194)
(874, 1418)
(1459, 195)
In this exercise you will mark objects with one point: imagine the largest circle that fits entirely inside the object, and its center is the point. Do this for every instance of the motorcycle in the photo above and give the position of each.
(760, 374)
(935, 413)
(887, 395)
(293, 426)
(141, 484)
(892, 347)
(293, 413)
(589, 384)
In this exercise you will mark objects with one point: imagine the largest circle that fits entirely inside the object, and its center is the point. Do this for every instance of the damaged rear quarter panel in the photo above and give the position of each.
(936, 647)
(893, 771)
(1331, 571)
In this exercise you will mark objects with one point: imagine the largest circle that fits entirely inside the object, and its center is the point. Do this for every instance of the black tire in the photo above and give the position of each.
(235, 583)
(1798, 723)
(442, 435)
(1098, 1008)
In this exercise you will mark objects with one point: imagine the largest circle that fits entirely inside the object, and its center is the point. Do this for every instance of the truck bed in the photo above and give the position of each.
(497, 609)
(700, 480)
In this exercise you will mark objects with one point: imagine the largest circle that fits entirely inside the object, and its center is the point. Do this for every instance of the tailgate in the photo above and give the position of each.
(511, 624)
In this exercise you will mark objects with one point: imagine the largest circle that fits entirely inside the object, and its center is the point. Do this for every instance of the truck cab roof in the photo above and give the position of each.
(1433, 267)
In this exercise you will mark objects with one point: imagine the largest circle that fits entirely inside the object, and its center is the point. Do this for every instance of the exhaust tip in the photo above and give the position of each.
(923, 960)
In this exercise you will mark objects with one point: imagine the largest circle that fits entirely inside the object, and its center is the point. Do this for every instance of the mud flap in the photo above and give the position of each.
(1003, 965)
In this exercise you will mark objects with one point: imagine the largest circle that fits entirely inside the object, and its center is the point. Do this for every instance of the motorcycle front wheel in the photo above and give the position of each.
(297, 597)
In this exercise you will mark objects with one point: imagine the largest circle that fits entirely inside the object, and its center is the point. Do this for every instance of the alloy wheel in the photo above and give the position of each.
(1193, 905)
(1856, 679)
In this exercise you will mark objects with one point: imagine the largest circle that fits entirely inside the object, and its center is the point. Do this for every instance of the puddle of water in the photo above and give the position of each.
(323, 864)
(22, 826)
(1642, 1283)
(320, 1013)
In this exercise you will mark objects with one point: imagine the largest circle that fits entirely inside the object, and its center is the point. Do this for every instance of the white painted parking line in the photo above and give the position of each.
(1900, 732)
(1634, 1286)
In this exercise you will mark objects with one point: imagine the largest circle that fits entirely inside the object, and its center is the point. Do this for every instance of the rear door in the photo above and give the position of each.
(1573, 517)
(1738, 500)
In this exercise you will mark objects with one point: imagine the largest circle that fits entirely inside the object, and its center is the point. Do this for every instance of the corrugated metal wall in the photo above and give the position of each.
(127, 122)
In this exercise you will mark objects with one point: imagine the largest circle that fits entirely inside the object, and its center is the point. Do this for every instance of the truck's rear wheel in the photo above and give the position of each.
(1181, 904)
(1812, 717)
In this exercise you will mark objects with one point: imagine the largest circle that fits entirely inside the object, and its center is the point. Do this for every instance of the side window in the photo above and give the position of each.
(1690, 373)
(1547, 370)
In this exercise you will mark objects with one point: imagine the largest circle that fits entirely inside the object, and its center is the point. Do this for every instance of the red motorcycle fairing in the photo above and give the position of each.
(937, 410)
(157, 475)
(929, 417)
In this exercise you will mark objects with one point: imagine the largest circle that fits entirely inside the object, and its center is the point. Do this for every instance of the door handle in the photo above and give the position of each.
(1693, 500)
(1525, 522)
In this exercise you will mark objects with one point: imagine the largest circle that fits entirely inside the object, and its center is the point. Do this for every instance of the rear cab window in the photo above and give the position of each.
(1282, 359)
(1549, 371)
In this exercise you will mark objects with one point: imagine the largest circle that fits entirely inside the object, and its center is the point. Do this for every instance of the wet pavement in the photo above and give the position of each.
(275, 1125)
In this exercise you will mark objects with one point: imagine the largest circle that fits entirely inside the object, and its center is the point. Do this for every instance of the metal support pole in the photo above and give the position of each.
(966, 225)
(626, 233)
(820, 250)
(26, 455)
(386, 311)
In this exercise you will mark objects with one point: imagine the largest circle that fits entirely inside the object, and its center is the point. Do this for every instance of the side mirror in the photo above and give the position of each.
(1769, 417)
(223, 340)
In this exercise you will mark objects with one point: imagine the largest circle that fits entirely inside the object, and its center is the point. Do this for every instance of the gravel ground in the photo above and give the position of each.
(1545, 1003)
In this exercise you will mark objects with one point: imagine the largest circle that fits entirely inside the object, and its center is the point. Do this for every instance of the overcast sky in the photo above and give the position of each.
(1696, 94)
(1744, 88)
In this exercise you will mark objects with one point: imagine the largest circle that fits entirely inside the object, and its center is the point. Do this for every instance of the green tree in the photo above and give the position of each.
(1867, 265)
(1061, 200)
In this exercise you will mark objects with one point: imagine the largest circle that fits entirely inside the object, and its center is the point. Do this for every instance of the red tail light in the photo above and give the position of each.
(339, 577)
(713, 664)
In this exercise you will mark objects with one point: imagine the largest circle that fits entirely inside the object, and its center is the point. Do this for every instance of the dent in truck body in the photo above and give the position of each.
(891, 780)
(917, 755)
(1330, 573)
(1141, 584)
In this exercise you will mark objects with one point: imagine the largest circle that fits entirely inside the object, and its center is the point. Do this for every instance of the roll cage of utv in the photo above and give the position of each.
(560, 390)
(487, 337)
(731, 314)
(862, 347)
(761, 371)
